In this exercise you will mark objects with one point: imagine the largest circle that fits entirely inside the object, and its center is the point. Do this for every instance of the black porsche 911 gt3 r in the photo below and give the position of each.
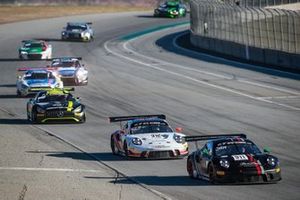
(231, 158)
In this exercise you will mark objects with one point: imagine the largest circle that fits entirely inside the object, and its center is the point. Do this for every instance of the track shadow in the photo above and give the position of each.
(8, 85)
(172, 181)
(146, 16)
(158, 180)
(8, 96)
(105, 156)
(205, 55)
(13, 121)
(60, 40)
(20, 60)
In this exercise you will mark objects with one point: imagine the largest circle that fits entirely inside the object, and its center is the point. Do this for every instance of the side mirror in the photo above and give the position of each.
(178, 130)
(267, 150)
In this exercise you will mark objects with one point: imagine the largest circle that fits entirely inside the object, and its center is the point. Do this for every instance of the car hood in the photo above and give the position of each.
(32, 50)
(156, 140)
(57, 104)
(39, 82)
(247, 160)
(75, 31)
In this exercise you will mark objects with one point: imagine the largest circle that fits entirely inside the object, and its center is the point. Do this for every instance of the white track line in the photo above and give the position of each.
(125, 46)
(194, 79)
(281, 97)
(50, 169)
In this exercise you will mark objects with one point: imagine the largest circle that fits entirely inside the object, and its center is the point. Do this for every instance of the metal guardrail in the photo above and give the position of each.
(265, 28)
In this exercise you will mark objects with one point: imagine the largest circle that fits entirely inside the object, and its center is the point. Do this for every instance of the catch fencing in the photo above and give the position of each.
(252, 26)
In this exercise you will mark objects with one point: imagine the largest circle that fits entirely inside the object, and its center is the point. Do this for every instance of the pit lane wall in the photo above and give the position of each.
(258, 34)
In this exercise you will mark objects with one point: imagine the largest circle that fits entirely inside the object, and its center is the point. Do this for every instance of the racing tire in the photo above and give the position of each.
(83, 119)
(190, 167)
(34, 117)
(125, 149)
(212, 174)
(113, 146)
(28, 117)
(76, 82)
(19, 93)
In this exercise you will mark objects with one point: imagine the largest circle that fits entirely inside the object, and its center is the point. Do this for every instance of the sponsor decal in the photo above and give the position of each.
(240, 157)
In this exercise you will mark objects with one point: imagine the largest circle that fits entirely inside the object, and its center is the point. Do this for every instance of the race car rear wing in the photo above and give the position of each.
(71, 57)
(211, 137)
(24, 69)
(65, 90)
(127, 118)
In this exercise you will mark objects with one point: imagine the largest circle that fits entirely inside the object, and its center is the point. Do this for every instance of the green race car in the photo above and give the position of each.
(55, 105)
(171, 8)
(35, 49)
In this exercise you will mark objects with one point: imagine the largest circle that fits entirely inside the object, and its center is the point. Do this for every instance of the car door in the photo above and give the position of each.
(206, 156)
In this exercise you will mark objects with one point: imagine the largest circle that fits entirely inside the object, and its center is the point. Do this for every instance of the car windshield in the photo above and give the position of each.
(150, 127)
(33, 45)
(234, 148)
(38, 76)
(49, 98)
(74, 27)
(64, 64)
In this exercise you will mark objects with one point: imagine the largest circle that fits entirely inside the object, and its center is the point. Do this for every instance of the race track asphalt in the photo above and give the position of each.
(150, 74)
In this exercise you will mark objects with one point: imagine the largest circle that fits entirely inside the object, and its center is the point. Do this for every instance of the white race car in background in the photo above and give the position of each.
(70, 70)
(147, 136)
(78, 31)
(35, 80)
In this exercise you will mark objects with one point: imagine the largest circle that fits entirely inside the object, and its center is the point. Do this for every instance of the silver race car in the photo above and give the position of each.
(35, 80)
(70, 70)
(147, 136)
(78, 31)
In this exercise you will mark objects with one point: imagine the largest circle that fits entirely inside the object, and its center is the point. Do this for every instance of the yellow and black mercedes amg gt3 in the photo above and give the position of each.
(55, 105)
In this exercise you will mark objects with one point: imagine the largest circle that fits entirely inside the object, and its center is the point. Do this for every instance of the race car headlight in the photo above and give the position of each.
(40, 110)
(178, 138)
(24, 86)
(63, 33)
(272, 161)
(224, 163)
(78, 109)
(137, 141)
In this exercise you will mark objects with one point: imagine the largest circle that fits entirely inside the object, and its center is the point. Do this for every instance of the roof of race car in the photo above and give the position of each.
(57, 91)
(33, 41)
(82, 24)
(155, 119)
(230, 140)
(65, 59)
(38, 71)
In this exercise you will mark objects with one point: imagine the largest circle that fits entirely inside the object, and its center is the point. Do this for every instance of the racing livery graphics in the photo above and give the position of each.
(147, 136)
(231, 158)
(55, 105)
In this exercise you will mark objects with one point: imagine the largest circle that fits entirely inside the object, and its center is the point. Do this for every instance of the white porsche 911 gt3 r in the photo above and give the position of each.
(147, 136)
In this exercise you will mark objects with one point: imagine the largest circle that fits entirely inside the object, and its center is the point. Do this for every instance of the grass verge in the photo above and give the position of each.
(10, 14)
